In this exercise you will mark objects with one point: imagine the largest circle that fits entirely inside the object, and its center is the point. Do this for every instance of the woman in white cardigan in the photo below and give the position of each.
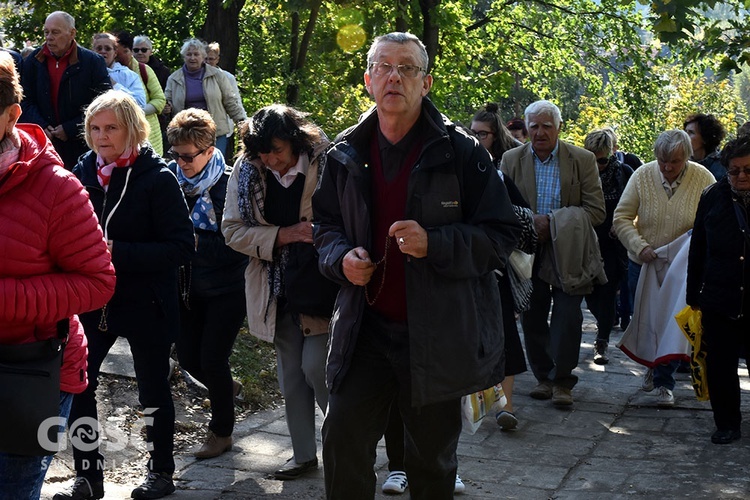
(657, 206)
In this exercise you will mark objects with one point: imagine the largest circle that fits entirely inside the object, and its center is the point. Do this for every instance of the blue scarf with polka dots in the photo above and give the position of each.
(203, 214)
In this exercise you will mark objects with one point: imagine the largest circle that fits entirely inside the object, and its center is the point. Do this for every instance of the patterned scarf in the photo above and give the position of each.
(104, 171)
(743, 196)
(251, 192)
(610, 179)
(203, 214)
(10, 151)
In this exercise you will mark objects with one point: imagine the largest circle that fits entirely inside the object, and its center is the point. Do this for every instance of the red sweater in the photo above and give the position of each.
(55, 262)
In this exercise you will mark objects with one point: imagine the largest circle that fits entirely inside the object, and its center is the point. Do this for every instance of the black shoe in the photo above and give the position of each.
(293, 470)
(600, 352)
(725, 436)
(156, 485)
(82, 489)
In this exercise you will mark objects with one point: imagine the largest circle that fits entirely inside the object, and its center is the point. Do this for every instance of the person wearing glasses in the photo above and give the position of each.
(658, 206)
(212, 286)
(105, 44)
(411, 219)
(602, 300)
(492, 133)
(155, 100)
(146, 224)
(718, 281)
(200, 85)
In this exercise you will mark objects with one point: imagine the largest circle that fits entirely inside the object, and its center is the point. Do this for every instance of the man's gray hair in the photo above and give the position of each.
(543, 108)
(193, 43)
(69, 20)
(670, 142)
(143, 39)
(401, 38)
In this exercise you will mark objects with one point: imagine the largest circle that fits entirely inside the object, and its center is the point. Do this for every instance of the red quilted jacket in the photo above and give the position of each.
(55, 262)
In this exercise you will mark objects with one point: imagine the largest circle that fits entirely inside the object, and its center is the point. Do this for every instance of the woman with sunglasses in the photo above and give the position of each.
(602, 300)
(212, 286)
(105, 44)
(145, 221)
(718, 283)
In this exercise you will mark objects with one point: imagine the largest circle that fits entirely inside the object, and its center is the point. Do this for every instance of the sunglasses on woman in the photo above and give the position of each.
(174, 155)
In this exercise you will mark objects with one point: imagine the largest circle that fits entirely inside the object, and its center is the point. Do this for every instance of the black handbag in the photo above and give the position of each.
(306, 290)
(30, 394)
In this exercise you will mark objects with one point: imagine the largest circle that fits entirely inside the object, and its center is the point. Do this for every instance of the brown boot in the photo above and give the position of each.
(214, 446)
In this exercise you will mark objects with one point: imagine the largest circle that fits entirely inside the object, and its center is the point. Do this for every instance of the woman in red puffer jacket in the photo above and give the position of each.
(54, 263)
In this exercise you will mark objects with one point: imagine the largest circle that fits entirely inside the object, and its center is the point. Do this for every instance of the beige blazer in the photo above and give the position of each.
(580, 185)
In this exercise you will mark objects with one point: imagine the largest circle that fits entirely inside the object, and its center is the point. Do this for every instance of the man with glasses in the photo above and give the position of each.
(411, 220)
(59, 80)
(551, 175)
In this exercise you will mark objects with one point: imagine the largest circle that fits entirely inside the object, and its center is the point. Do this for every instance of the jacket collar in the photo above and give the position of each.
(72, 54)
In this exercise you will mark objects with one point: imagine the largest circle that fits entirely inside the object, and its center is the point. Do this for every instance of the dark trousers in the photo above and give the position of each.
(394, 439)
(151, 362)
(357, 416)
(724, 339)
(553, 348)
(602, 302)
(207, 333)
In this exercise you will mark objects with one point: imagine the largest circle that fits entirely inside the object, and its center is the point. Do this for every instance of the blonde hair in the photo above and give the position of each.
(127, 112)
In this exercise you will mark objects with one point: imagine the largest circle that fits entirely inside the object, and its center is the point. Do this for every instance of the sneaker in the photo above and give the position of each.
(82, 489)
(665, 397)
(506, 420)
(648, 380)
(600, 352)
(561, 396)
(543, 390)
(156, 485)
(396, 483)
(459, 487)
(214, 446)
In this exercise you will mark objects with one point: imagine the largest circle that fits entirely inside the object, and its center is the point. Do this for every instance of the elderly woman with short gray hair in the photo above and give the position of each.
(659, 205)
(200, 85)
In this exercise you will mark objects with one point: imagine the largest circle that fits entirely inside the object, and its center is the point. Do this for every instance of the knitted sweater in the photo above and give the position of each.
(645, 216)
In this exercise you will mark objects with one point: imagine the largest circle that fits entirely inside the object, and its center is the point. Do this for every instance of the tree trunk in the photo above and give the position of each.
(402, 8)
(222, 22)
(298, 50)
(430, 35)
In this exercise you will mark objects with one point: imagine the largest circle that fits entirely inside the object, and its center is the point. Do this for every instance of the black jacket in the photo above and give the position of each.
(453, 305)
(145, 214)
(85, 78)
(718, 276)
(216, 269)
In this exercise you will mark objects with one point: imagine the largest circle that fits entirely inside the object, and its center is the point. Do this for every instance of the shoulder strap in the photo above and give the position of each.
(144, 73)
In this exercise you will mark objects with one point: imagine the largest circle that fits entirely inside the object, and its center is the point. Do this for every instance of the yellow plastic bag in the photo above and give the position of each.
(689, 320)
(479, 404)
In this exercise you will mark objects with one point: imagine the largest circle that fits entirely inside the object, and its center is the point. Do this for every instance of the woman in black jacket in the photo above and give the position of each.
(718, 281)
(212, 308)
(145, 221)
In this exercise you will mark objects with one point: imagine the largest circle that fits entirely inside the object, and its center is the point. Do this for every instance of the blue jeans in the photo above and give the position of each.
(221, 143)
(663, 373)
(21, 477)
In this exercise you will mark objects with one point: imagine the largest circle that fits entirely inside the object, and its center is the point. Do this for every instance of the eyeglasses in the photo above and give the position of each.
(405, 70)
(482, 134)
(602, 161)
(736, 171)
(141, 49)
(186, 158)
